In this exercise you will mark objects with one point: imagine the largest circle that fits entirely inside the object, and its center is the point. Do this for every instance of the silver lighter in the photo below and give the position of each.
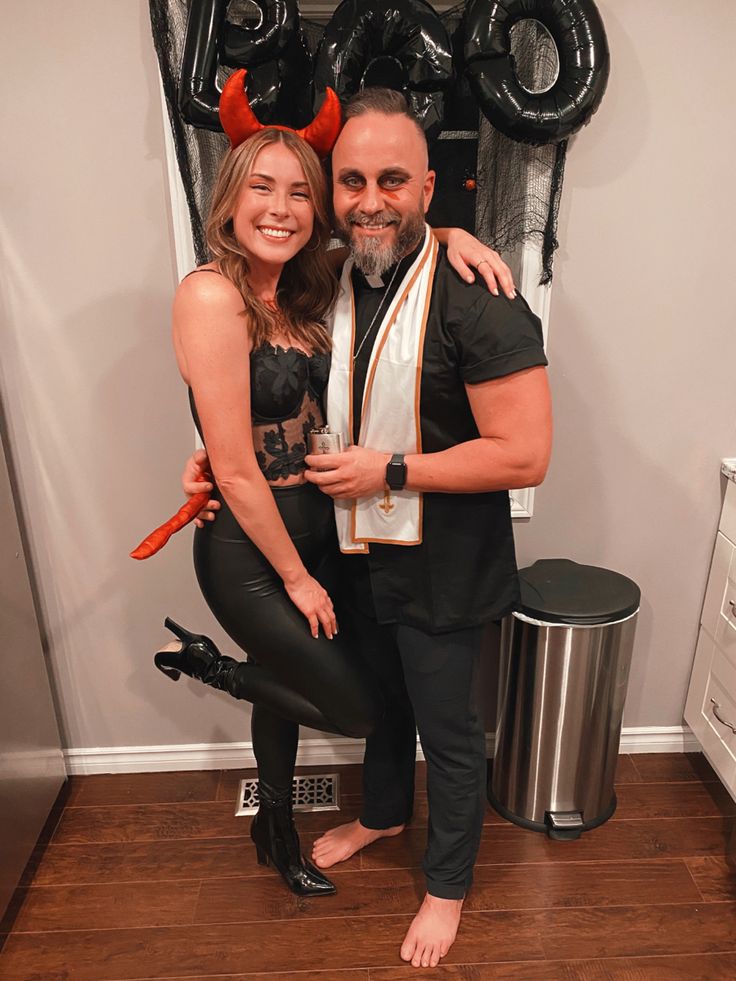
(323, 440)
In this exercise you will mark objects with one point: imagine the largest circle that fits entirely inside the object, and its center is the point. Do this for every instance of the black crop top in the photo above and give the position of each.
(286, 389)
(286, 402)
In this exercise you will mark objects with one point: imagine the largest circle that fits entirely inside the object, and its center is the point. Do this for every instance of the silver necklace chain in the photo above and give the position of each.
(375, 315)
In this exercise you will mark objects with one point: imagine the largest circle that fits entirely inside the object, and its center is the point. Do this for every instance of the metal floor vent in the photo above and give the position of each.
(312, 792)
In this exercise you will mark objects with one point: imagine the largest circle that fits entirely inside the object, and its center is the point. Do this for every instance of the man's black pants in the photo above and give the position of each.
(429, 682)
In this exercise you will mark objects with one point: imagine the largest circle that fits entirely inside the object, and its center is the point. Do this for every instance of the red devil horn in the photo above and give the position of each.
(325, 127)
(236, 116)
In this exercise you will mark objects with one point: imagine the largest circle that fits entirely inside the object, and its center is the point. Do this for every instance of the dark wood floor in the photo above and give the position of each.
(150, 876)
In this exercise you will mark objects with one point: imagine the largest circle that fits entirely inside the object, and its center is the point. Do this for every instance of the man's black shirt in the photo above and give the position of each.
(464, 571)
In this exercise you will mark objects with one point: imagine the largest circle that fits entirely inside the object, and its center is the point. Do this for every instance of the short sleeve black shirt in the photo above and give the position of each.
(464, 572)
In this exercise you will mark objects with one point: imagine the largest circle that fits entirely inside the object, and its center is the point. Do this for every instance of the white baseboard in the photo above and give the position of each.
(202, 756)
(658, 739)
(315, 752)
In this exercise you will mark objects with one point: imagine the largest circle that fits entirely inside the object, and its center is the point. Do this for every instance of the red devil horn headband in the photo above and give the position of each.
(239, 121)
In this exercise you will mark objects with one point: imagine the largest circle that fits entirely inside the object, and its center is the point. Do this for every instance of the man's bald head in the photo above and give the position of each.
(386, 102)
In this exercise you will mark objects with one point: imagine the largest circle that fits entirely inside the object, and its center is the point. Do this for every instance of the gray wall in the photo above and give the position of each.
(97, 412)
(642, 334)
(641, 342)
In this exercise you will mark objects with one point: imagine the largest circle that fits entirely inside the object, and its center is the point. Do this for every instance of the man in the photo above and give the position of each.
(441, 389)
(422, 588)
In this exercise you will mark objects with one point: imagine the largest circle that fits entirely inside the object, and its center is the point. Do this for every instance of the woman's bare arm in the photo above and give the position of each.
(213, 350)
(465, 251)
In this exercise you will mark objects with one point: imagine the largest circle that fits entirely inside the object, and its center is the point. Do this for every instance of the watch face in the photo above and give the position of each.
(396, 475)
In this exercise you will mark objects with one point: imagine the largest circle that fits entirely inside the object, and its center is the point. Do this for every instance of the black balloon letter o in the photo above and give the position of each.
(547, 117)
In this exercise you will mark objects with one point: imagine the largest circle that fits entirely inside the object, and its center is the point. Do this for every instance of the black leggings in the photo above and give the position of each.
(292, 678)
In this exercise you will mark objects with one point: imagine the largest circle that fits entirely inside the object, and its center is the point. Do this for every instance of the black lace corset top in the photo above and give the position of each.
(280, 378)
(287, 386)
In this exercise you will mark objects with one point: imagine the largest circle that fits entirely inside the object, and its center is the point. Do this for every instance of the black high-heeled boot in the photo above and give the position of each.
(198, 658)
(277, 844)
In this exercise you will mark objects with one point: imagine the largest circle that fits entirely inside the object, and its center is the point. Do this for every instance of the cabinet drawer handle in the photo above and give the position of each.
(732, 604)
(716, 706)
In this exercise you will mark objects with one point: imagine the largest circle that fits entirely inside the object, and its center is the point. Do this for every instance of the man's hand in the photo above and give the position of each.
(464, 250)
(358, 472)
(196, 470)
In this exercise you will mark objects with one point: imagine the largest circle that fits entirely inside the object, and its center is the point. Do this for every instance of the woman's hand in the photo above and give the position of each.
(196, 470)
(464, 251)
(313, 601)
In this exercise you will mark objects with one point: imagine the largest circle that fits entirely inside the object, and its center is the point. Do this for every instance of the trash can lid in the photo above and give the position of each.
(562, 591)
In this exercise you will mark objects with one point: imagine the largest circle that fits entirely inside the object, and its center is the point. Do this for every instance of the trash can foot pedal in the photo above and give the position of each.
(564, 825)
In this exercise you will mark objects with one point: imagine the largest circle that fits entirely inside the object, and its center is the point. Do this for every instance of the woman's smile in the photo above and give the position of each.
(272, 232)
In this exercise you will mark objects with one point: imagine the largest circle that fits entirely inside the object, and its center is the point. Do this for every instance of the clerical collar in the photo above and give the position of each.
(380, 282)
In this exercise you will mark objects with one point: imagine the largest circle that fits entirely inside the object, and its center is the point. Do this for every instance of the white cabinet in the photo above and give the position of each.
(710, 710)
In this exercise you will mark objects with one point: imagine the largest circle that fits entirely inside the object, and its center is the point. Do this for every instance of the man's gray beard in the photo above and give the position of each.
(374, 259)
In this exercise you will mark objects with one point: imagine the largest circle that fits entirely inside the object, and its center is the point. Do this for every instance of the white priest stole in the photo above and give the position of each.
(390, 420)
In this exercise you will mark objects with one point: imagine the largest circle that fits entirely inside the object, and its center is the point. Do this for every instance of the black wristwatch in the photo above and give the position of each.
(396, 472)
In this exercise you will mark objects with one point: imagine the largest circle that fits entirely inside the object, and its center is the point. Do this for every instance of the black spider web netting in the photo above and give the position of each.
(518, 186)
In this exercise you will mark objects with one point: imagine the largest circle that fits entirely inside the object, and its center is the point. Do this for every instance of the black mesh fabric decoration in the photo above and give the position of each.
(518, 186)
(198, 151)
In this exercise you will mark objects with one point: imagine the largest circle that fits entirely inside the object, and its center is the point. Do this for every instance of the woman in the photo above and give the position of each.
(251, 346)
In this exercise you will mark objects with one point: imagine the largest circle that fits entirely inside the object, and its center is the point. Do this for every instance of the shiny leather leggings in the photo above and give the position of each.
(291, 678)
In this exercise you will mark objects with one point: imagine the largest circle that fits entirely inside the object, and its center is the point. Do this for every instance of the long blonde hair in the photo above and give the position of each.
(307, 287)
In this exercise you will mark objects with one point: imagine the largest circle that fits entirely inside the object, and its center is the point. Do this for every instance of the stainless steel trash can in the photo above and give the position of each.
(565, 656)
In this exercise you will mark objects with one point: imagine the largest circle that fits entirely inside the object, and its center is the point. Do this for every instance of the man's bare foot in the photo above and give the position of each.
(341, 843)
(432, 931)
